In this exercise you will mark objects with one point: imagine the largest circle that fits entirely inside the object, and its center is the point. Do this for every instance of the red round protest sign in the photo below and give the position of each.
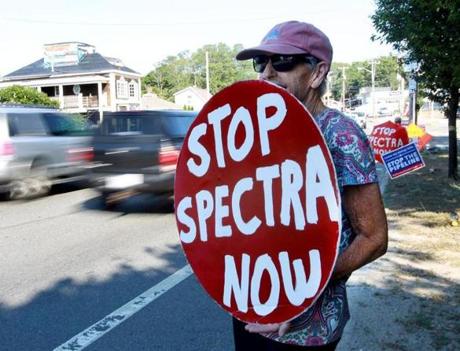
(386, 137)
(257, 203)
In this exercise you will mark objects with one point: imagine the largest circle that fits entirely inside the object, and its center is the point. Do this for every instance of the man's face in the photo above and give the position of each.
(296, 81)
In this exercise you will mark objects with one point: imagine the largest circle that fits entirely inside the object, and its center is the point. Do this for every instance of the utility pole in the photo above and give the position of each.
(401, 92)
(207, 72)
(372, 72)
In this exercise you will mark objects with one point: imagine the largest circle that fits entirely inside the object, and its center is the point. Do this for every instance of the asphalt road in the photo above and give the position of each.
(66, 263)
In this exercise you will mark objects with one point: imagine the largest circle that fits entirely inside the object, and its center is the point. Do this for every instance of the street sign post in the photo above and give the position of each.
(257, 203)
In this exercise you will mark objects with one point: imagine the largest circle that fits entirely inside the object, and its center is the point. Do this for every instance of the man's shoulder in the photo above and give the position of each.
(333, 122)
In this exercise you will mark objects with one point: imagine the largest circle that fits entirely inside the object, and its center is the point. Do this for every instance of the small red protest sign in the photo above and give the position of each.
(386, 137)
(257, 203)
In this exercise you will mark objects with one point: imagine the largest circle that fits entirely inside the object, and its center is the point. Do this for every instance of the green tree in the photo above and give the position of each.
(358, 75)
(170, 75)
(427, 32)
(25, 95)
(177, 72)
(386, 70)
(223, 68)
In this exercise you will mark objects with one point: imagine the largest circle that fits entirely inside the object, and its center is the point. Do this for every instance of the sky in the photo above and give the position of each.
(144, 32)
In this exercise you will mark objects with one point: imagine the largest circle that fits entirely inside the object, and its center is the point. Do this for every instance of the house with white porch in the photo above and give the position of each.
(81, 79)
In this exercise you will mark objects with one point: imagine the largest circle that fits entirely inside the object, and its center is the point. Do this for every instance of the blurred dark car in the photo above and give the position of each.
(137, 151)
(40, 147)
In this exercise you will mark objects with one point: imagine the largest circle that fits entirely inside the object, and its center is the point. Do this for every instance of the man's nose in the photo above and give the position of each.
(268, 73)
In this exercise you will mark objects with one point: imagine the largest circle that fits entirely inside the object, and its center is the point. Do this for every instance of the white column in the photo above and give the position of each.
(61, 96)
(99, 95)
(99, 99)
(112, 89)
(80, 101)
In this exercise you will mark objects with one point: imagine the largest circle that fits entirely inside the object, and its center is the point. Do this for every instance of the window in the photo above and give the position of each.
(131, 124)
(27, 124)
(132, 89)
(60, 124)
(122, 88)
(177, 126)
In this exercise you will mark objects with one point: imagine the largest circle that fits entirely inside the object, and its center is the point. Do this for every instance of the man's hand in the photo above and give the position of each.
(280, 328)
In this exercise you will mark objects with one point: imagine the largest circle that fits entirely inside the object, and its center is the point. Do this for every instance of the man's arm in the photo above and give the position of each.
(364, 208)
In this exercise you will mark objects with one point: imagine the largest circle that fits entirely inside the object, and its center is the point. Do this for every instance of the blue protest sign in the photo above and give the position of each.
(403, 160)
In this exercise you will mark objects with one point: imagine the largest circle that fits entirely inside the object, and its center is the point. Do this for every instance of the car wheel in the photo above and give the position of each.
(38, 180)
(18, 190)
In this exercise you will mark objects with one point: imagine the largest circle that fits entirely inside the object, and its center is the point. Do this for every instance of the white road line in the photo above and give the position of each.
(97, 330)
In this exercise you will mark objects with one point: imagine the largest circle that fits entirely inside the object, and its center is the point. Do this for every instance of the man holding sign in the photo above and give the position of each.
(297, 56)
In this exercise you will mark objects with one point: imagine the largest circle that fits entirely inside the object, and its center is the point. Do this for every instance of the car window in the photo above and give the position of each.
(138, 124)
(60, 124)
(177, 126)
(26, 124)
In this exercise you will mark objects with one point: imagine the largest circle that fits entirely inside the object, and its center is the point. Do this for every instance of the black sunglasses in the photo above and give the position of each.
(281, 63)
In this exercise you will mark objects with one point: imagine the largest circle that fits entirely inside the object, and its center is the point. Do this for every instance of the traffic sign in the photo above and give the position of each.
(257, 203)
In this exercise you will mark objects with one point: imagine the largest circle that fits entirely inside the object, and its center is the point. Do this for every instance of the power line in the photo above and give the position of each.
(149, 24)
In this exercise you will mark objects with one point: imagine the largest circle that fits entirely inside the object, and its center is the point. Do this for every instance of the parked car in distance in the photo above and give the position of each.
(137, 151)
(359, 118)
(39, 147)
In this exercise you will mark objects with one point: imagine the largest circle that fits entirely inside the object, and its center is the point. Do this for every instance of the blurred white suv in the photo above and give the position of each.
(39, 147)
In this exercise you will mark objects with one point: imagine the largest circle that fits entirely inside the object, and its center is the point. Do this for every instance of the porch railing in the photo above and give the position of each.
(78, 101)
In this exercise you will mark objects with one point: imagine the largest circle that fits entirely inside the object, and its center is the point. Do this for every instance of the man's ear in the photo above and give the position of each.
(319, 74)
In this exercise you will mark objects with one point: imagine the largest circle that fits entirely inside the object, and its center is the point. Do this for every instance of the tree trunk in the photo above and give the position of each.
(452, 114)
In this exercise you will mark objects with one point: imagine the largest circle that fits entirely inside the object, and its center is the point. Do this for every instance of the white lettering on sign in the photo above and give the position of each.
(199, 150)
(215, 118)
(263, 264)
(271, 123)
(403, 162)
(304, 289)
(266, 175)
(250, 226)
(291, 183)
(241, 117)
(243, 286)
(222, 211)
(318, 186)
(204, 208)
(384, 131)
(189, 236)
(387, 142)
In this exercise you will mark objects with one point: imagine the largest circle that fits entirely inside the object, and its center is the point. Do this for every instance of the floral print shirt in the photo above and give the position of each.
(353, 158)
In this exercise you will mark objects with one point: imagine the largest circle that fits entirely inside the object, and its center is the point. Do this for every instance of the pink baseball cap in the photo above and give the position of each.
(292, 38)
